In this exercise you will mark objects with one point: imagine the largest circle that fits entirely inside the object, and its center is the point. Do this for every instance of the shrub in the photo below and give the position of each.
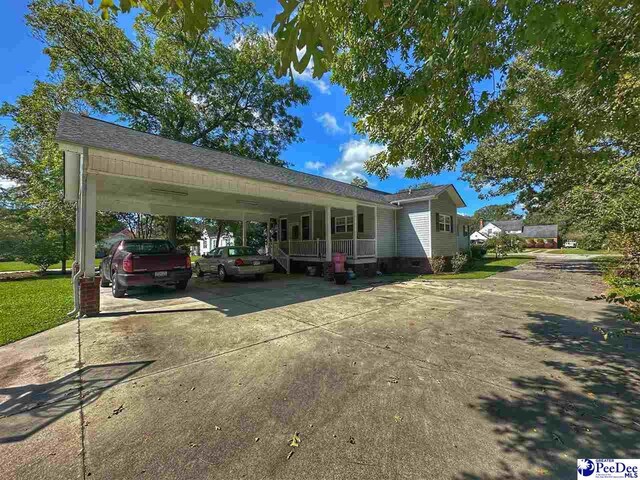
(478, 251)
(41, 251)
(438, 264)
(458, 262)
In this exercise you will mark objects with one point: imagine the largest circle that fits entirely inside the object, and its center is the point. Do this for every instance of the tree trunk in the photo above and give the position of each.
(64, 251)
(220, 227)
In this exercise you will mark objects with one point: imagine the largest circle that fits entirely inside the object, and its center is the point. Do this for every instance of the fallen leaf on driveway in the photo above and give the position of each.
(397, 418)
(290, 454)
(295, 440)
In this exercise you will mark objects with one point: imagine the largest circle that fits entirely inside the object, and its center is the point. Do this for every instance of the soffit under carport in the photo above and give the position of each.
(122, 194)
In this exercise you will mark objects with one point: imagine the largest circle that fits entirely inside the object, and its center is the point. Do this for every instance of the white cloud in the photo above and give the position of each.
(350, 164)
(6, 183)
(307, 76)
(313, 165)
(330, 123)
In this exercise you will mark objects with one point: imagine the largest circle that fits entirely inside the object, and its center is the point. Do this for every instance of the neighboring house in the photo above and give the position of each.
(208, 243)
(310, 217)
(105, 244)
(539, 236)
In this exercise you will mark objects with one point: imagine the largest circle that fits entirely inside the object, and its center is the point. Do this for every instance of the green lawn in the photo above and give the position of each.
(33, 305)
(27, 267)
(483, 268)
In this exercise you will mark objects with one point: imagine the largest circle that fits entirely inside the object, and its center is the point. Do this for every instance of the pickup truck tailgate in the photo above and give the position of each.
(158, 262)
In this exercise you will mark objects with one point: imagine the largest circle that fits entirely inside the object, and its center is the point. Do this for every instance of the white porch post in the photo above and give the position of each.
(327, 233)
(244, 231)
(355, 232)
(375, 229)
(89, 234)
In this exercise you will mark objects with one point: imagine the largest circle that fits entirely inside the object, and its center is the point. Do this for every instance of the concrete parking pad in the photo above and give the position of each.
(501, 378)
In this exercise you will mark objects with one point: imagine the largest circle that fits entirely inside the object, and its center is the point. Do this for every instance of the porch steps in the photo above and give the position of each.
(282, 258)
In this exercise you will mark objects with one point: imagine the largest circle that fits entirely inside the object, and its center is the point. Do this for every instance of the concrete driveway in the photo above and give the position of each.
(501, 378)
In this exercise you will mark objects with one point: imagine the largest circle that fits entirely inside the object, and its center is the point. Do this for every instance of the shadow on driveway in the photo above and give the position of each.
(30, 408)
(588, 408)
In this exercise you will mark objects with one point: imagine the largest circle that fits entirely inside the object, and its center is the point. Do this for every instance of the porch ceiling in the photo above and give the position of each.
(132, 195)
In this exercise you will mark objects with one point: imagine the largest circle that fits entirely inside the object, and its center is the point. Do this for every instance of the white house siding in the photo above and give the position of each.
(386, 233)
(318, 222)
(414, 226)
(443, 244)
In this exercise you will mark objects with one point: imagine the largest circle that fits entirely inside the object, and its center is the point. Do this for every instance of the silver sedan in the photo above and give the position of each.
(229, 262)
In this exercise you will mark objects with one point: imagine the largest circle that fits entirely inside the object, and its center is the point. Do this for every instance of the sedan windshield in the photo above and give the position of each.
(147, 246)
(242, 251)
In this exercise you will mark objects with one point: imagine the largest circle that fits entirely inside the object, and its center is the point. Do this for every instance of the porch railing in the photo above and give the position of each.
(318, 248)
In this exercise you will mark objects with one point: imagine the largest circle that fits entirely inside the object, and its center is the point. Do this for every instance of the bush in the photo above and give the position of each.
(478, 251)
(458, 262)
(438, 264)
(504, 243)
(41, 251)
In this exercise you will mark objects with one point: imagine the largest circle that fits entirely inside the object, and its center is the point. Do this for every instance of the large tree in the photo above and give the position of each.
(193, 88)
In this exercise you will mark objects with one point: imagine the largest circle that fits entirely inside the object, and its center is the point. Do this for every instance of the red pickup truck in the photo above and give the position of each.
(137, 263)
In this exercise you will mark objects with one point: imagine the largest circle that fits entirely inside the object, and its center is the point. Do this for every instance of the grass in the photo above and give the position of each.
(33, 305)
(28, 267)
(483, 268)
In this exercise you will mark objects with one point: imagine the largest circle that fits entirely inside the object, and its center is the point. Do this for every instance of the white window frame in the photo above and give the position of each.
(446, 223)
(345, 222)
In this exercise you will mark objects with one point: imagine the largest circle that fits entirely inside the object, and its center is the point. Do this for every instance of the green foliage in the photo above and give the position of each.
(478, 251)
(503, 243)
(359, 182)
(417, 186)
(438, 264)
(458, 262)
(194, 12)
(196, 89)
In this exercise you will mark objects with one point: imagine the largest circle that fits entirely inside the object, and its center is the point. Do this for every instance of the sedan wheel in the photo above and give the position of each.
(116, 290)
(222, 274)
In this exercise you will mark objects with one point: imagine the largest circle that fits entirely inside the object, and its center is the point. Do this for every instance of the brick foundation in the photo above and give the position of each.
(418, 265)
(89, 296)
(363, 269)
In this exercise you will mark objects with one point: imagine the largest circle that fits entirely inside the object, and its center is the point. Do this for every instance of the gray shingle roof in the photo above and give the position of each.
(540, 231)
(508, 225)
(91, 132)
(417, 193)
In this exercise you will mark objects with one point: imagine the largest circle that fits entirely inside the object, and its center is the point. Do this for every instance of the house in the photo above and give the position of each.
(114, 168)
(206, 243)
(539, 236)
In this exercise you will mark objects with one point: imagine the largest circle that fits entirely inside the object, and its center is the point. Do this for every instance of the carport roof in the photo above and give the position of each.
(86, 131)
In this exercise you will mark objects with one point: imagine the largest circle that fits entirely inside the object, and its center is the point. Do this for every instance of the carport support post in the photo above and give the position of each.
(244, 231)
(355, 235)
(90, 283)
(327, 240)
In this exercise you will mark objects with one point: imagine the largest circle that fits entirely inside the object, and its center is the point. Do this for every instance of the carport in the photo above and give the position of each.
(113, 168)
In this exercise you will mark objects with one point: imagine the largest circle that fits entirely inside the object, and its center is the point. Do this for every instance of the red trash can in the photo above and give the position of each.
(338, 260)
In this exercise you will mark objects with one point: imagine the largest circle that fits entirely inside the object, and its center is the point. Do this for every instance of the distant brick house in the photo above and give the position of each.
(535, 236)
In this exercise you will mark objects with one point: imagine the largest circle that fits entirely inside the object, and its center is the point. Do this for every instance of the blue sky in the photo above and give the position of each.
(330, 146)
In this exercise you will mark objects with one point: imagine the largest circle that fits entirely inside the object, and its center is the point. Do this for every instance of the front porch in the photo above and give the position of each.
(317, 249)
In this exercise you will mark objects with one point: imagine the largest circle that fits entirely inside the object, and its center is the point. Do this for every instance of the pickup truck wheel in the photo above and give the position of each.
(198, 270)
(222, 274)
(182, 285)
(116, 290)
